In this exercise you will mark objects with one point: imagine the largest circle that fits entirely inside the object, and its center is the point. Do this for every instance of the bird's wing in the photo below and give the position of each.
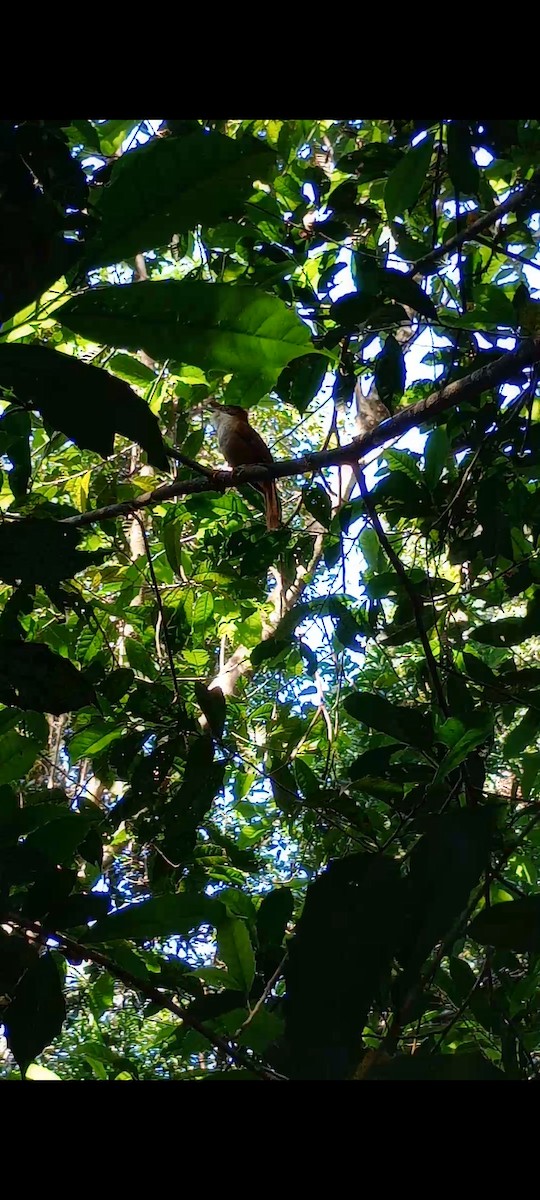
(249, 447)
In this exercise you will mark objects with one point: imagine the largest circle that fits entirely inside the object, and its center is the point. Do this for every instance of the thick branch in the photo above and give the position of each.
(467, 388)
(513, 201)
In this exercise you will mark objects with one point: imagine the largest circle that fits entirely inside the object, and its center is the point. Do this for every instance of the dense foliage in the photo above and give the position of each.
(270, 801)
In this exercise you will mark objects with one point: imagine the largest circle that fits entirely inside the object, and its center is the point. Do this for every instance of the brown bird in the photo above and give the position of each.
(241, 445)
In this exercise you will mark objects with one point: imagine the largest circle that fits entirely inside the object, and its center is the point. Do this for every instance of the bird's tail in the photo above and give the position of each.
(272, 505)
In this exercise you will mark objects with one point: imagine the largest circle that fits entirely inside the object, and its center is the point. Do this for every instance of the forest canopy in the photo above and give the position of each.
(269, 789)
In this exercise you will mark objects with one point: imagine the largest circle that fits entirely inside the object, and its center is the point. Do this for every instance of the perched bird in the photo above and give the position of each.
(241, 445)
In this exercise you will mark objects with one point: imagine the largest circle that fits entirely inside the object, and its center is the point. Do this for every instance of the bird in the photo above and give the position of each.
(241, 445)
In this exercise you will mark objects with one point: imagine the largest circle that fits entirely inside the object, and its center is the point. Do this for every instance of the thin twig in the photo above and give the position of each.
(268, 988)
(159, 603)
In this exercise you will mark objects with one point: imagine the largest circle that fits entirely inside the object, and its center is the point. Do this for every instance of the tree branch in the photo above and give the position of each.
(513, 201)
(467, 388)
(87, 953)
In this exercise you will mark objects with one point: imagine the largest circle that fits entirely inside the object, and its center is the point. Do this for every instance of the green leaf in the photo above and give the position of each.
(436, 453)
(60, 839)
(85, 403)
(235, 950)
(409, 725)
(512, 925)
(17, 755)
(268, 650)
(438, 1066)
(171, 185)
(161, 917)
(140, 659)
(318, 503)
(35, 1015)
(202, 610)
(390, 371)
(273, 916)
(131, 369)
(462, 748)
(306, 779)
(400, 287)
(404, 184)
(445, 865)
(42, 551)
(32, 676)
(462, 167)
(524, 734)
(214, 707)
(211, 325)
(112, 133)
(15, 429)
(301, 380)
(355, 907)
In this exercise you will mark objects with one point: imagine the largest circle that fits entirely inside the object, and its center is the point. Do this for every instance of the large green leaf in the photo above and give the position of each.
(171, 185)
(512, 925)
(354, 911)
(211, 325)
(462, 167)
(17, 755)
(60, 838)
(160, 917)
(274, 913)
(32, 676)
(409, 725)
(445, 865)
(37, 1011)
(438, 1066)
(404, 184)
(85, 403)
(42, 551)
(390, 371)
(236, 951)
(214, 707)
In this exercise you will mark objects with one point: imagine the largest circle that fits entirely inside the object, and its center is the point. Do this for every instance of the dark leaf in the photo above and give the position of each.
(404, 184)
(273, 915)
(17, 755)
(85, 403)
(512, 925)
(32, 676)
(445, 865)
(161, 917)
(300, 381)
(212, 703)
(390, 371)
(35, 1015)
(409, 725)
(438, 1066)
(355, 907)
(42, 551)
(318, 503)
(462, 167)
(400, 287)
(171, 185)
